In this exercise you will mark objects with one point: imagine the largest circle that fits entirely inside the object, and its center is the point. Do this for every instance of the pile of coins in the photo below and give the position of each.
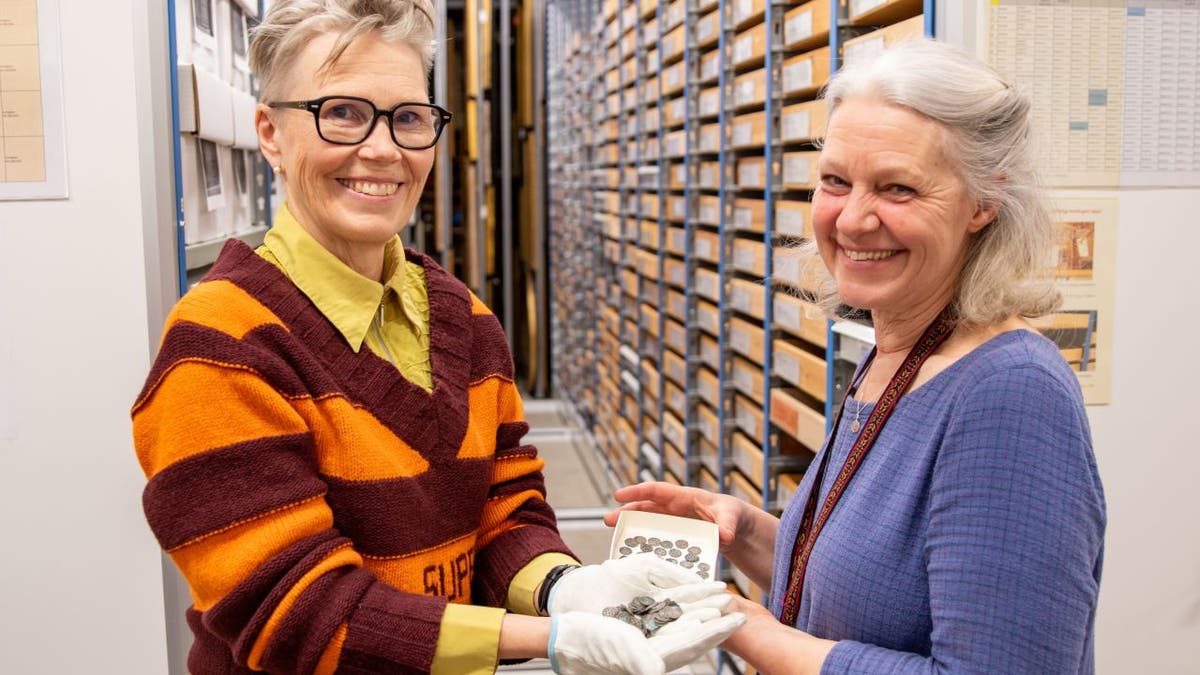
(678, 552)
(645, 614)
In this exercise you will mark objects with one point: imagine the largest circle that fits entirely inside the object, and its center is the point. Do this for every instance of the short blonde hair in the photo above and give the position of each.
(989, 130)
(290, 24)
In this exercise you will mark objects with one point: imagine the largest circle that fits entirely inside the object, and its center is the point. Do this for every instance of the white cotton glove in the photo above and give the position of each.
(591, 644)
(591, 588)
(690, 636)
(702, 626)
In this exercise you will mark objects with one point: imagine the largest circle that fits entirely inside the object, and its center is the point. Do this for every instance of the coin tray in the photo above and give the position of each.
(642, 532)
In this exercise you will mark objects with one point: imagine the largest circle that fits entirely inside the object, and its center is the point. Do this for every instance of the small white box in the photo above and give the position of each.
(635, 530)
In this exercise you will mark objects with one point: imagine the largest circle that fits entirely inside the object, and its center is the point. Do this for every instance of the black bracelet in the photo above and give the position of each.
(552, 578)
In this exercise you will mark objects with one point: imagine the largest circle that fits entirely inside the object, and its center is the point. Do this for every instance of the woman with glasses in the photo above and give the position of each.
(331, 432)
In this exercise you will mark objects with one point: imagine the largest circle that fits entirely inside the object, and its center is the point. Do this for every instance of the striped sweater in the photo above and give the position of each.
(323, 509)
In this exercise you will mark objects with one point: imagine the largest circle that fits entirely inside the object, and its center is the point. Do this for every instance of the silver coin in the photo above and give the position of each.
(640, 604)
(630, 541)
(675, 553)
(631, 619)
(681, 543)
(646, 548)
(693, 549)
(687, 564)
(639, 539)
(654, 541)
(671, 612)
(703, 567)
(625, 550)
(692, 557)
(660, 551)
(612, 612)
(703, 575)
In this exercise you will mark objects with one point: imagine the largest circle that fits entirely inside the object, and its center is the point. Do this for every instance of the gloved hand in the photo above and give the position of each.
(591, 588)
(591, 644)
(697, 631)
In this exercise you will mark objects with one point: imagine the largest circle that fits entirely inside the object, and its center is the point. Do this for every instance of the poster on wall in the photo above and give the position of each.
(34, 164)
(1083, 326)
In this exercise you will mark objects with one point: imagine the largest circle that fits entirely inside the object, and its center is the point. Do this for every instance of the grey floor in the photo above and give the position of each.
(580, 490)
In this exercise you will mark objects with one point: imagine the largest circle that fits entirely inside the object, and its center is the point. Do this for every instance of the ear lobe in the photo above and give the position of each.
(267, 141)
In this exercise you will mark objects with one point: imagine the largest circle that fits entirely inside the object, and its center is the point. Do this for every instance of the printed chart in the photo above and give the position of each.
(1115, 86)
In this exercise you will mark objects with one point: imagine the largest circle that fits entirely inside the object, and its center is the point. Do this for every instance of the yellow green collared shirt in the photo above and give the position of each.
(392, 320)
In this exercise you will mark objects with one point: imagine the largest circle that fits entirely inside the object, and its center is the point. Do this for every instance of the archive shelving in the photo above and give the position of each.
(682, 156)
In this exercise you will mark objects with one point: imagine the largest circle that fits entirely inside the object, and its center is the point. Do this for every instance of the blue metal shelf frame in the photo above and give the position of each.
(660, 184)
(725, 234)
(772, 64)
(691, 196)
(177, 143)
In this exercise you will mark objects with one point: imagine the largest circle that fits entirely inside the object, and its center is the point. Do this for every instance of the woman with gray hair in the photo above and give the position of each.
(331, 431)
(954, 519)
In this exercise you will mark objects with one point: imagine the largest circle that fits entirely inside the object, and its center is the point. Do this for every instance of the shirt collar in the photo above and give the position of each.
(348, 299)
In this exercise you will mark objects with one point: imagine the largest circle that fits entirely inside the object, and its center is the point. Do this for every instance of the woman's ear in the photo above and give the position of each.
(267, 135)
(983, 216)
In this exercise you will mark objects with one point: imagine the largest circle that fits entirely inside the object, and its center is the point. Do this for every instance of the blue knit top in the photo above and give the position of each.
(972, 536)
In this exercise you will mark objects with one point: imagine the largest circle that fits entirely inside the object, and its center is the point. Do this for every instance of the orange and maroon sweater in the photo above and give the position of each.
(324, 509)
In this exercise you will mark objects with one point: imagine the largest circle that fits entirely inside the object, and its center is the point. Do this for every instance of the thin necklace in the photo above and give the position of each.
(858, 408)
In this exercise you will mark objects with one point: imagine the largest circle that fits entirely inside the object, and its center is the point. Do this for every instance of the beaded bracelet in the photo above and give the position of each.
(552, 578)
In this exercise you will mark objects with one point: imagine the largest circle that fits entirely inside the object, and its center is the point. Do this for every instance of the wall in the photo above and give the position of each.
(1147, 451)
(81, 580)
(1146, 447)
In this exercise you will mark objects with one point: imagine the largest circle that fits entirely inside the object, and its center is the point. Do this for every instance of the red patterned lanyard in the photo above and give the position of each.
(810, 529)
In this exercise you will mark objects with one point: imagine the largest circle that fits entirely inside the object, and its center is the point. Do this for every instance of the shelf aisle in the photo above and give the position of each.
(682, 160)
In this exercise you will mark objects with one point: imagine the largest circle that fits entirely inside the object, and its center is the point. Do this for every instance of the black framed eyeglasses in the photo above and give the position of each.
(349, 120)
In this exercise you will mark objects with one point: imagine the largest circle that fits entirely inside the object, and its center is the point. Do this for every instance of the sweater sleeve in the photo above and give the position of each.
(518, 524)
(234, 497)
(1016, 527)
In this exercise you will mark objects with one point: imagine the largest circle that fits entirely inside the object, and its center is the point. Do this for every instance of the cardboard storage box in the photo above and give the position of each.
(798, 367)
(803, 121)
(710, 67)
(805, 73)
(706, 245)
(708, 386)
(708, 284)
(797, 419)
(792, 218)
(674, 77)
(800, 170)
(865, 46)
(750, 89)
(748, 416)
(749, 214)
(748, 297)
(746, 338)
(800, 318)
(708, 317)
(748, 378)
(806, 26)
(877, 12)
(708, 29)
(751, 173)
(750, 45)
(748, 256)
(746, 12)
(708, 210)
(749, 130)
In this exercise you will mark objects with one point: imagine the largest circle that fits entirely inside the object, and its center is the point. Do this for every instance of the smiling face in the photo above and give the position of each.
(891, 217)
(350, 198)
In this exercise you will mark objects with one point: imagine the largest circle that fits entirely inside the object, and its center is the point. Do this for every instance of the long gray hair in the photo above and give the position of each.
(290, 24)
(1008, 262)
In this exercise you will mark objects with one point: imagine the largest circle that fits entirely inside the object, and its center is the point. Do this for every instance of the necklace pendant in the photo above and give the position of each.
(855, 426)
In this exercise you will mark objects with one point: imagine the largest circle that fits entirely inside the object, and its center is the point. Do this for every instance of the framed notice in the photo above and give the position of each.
(1083, 328)
(34, 163)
